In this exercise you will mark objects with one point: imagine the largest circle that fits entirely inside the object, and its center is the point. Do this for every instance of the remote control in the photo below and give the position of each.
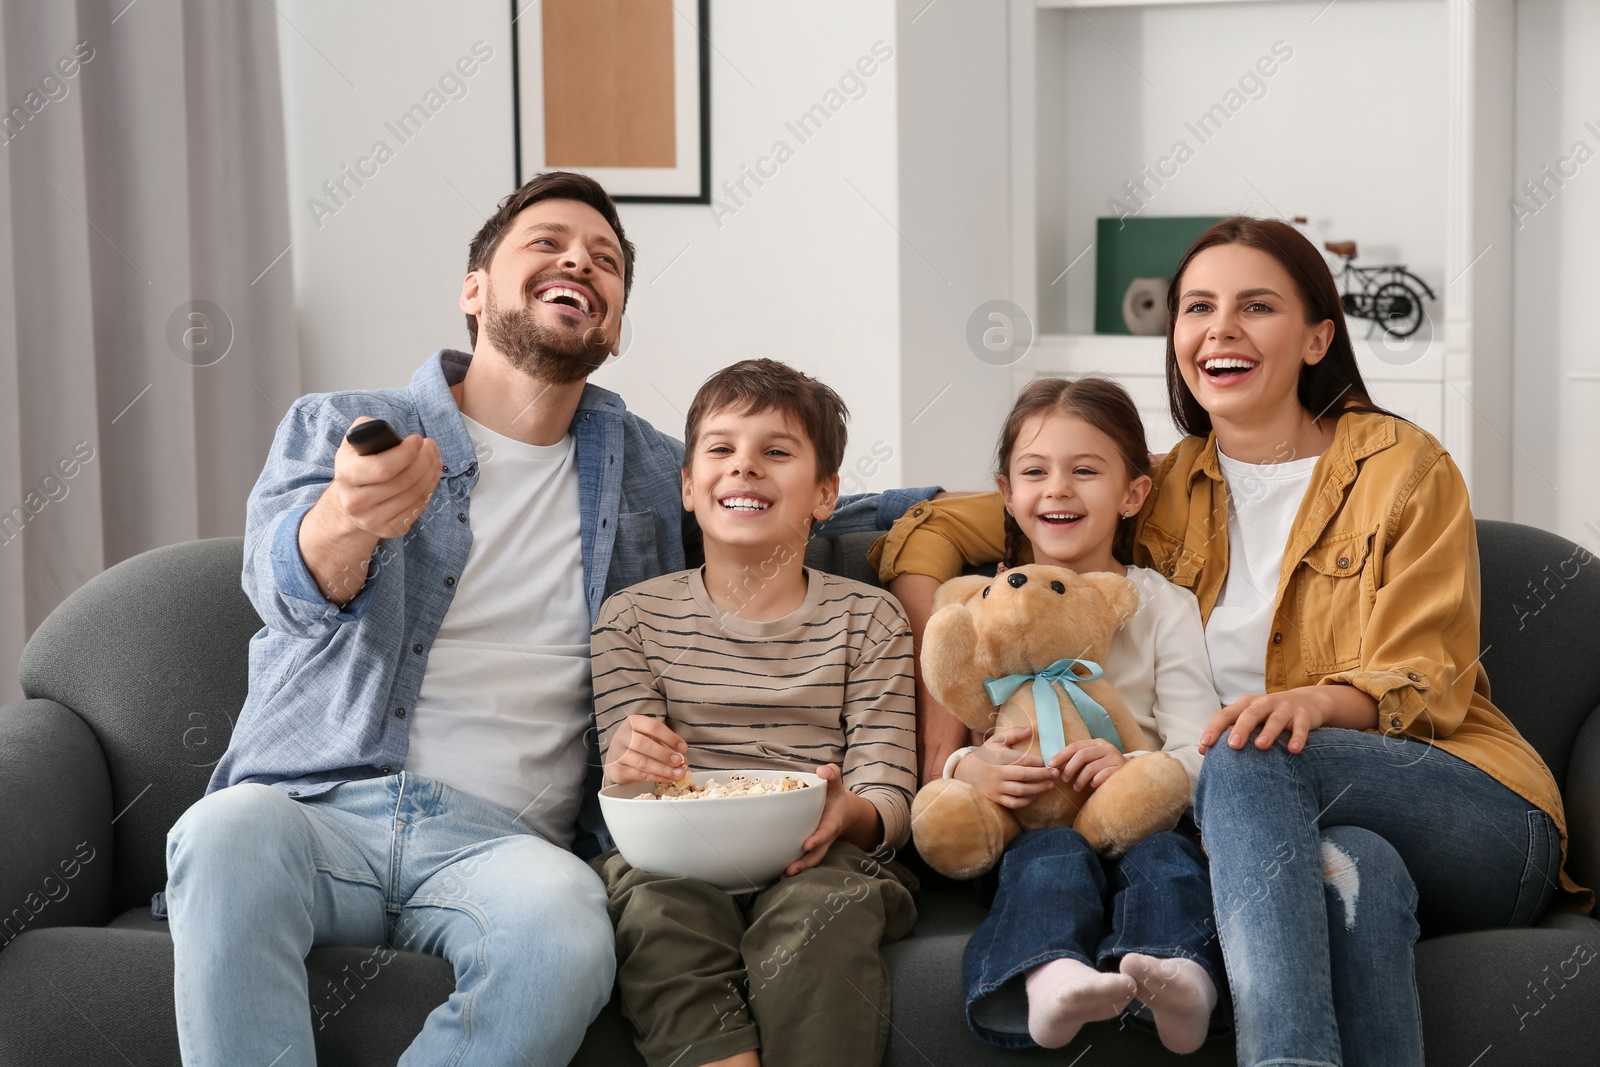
(372, 437)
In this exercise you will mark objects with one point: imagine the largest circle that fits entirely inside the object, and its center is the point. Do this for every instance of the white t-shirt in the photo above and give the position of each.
(506, 696)
(1158, 664)
(1263, 499)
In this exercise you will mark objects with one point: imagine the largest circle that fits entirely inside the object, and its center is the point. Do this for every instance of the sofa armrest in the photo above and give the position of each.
(1582, 800)
(55, 820)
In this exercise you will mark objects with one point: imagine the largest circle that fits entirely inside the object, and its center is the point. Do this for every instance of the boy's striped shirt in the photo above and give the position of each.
(831, 682)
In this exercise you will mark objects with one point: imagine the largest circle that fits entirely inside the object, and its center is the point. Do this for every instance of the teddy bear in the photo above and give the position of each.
(1000, 652)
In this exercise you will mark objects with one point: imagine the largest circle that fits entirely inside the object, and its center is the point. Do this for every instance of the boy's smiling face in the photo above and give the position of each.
(752, 480)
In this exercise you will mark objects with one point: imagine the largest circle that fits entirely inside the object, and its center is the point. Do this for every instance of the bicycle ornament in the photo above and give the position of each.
(1390, 296)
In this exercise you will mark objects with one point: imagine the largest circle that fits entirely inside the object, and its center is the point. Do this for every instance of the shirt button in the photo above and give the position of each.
(1344, 561)
(1414, 676)
(417, 648)
(450, 580)
(462, 515)
(385, 769)
(399, 713)
(1395, 721)
(1277, 638)
(916, 511)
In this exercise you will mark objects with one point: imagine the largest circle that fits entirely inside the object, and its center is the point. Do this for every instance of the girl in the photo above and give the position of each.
(1362, 788)
(1073, 469)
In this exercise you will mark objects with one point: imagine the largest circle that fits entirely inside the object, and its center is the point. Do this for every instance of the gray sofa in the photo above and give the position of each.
(133, 682)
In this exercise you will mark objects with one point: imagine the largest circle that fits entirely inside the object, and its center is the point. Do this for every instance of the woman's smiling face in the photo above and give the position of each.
(1241, 336)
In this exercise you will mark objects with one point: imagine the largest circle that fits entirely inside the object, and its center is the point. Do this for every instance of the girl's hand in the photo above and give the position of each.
(644, 749)
(1299, 710)
(1088, 762)
(1004, 774)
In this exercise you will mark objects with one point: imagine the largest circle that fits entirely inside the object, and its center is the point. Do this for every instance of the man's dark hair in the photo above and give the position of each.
(756, 385)
(551, 185)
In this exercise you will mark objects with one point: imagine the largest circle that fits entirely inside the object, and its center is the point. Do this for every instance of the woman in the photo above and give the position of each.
(1359, 786)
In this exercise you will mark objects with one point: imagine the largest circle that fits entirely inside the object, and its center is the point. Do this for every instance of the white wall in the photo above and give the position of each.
(1556, 368)
(803, 269)
(808, 269)
(955, 215)
(376, 283)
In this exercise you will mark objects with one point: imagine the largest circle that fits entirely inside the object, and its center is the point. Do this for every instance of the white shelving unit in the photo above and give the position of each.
(1455, 379)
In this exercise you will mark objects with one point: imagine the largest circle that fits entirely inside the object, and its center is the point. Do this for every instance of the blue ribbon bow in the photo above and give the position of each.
(1047, 706)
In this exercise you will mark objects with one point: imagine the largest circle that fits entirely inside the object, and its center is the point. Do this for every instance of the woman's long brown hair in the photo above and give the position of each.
(1103, 404)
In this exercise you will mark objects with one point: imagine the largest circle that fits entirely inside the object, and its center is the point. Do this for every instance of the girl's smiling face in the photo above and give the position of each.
(1240, 335)
(1068, 486)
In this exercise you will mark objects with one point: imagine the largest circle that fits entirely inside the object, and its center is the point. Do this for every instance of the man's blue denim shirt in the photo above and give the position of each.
(331, 690)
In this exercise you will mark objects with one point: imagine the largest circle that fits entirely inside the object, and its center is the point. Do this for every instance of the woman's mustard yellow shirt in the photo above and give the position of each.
(1379, 587)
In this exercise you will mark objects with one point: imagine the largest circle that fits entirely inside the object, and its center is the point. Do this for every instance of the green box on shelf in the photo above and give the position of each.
(1131, 248)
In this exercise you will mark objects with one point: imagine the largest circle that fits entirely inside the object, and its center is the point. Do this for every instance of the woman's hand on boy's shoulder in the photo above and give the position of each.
(1005, 773)
(644, 749)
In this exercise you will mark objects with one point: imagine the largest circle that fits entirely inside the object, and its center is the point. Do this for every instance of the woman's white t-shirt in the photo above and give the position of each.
(1263, 499)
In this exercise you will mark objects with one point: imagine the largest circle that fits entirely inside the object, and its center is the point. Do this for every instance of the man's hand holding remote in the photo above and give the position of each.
(370, 498)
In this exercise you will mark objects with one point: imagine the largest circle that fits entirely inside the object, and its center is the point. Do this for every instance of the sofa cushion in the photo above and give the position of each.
(105, 996)
(1539, 597)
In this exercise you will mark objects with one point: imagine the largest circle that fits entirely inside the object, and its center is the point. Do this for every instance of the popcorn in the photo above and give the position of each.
(738, 785)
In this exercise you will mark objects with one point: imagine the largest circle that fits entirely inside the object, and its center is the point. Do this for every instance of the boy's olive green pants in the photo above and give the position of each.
(793, 971)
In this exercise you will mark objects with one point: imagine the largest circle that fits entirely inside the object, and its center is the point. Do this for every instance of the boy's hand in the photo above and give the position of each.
(1006, 775)
(843, 815)
(1088, 762)
(644, 749)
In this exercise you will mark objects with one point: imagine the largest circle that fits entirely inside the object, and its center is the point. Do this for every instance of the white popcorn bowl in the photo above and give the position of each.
(738, 844)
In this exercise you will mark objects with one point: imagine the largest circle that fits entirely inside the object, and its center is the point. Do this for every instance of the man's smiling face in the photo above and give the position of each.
(551, 298)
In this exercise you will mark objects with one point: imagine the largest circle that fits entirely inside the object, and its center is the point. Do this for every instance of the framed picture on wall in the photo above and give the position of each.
(616, 89)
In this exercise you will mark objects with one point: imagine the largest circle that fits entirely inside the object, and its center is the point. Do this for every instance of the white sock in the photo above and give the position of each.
(1064, 994)
(1179, 993)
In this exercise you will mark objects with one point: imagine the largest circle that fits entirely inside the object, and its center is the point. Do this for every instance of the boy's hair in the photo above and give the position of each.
(1103, 404)
(756, 385)
(551, 185)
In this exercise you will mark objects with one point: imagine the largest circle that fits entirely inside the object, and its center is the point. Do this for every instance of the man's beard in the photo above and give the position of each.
(553, 354)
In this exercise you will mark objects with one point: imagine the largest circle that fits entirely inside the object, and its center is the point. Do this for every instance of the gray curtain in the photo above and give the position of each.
(147, 335)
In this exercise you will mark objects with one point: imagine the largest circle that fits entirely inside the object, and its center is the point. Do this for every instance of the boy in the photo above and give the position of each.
(754, 661)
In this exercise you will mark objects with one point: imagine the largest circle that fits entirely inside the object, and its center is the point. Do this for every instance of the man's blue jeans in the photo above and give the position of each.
(1056, 900)
(1326, 865)
(255, 879)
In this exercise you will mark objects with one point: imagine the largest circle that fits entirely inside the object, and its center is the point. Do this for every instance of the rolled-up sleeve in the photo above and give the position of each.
(938, 538)
(1420, 642)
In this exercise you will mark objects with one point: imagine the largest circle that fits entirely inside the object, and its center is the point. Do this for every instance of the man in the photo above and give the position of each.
(418, 742)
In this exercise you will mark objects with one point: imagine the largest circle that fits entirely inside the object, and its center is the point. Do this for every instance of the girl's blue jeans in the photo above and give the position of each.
(1059, 899)
(1326, 865)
